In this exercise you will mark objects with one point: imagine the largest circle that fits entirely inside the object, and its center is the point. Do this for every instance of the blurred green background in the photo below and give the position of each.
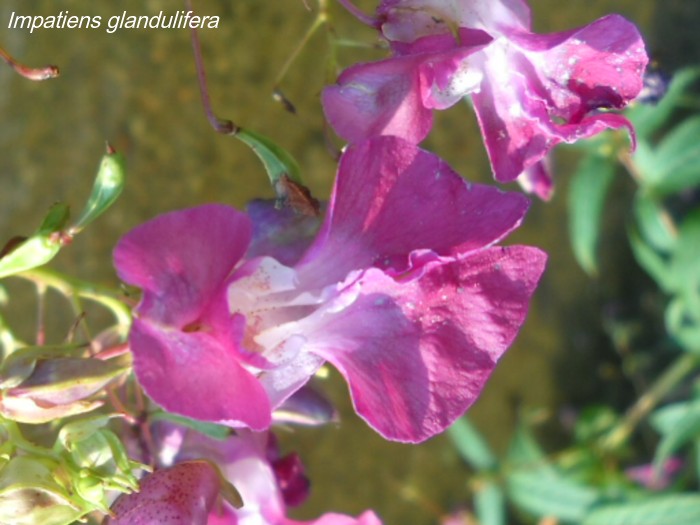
(138, 90)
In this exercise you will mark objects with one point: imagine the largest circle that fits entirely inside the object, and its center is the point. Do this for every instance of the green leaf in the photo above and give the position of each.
(667, 417)
(649, 259)
(654, 222)
(676, 509)
(276, 160)
(108, 185)
(647, 119)
(587, 192)
(685, 429)
(489, 503)
(685, 264)
(471, 445)
(537, 487)
(683, 321)
(208, 429)
(676, 160)
(55, 219)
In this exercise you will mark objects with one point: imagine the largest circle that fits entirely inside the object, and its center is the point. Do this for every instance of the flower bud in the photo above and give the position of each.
(30, 494)
(48, 389)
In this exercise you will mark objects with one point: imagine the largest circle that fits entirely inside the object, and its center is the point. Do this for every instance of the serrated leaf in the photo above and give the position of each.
(654, 223)
(683, 322)
(471, 445)
(685, 263)
(587, 192)
(655, 264)
(664, 419)
(676, 160)
(108, 185)
(677, 509)
(276, 160)
(537, 487)
(551, 496)
(647, 119)
(489, 503)
(686, 429)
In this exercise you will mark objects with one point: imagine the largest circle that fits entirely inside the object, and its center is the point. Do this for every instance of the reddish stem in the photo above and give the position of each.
(31, 73)
(223, 126)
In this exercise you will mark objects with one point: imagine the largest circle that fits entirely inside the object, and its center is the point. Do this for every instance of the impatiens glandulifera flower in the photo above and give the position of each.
(180, 495)
(267, 483)
(654, 478)
(402, 290)
(530, 91)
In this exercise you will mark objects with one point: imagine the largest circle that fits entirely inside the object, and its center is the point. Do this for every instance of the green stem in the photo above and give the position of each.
(673, 375)
(70, 286)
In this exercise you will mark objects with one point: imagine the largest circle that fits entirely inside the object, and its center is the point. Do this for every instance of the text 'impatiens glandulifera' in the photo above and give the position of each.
(402, 290)
(530, 91)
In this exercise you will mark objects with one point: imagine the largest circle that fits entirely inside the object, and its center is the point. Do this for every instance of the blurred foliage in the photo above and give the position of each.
(591, 482)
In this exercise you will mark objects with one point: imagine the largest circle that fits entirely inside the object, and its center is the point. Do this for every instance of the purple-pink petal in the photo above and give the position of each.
(409, 20)
(193, 374)
(427, 346)
(563, 80)
(280, 233)
(379, 98)
(392, 198)
(537, 179)
(179, 495)
(179, 260)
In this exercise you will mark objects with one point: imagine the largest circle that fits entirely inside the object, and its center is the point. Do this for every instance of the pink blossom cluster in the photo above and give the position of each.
(404, 288)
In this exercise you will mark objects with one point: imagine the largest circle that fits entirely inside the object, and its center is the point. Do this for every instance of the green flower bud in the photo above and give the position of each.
(30, 494)
(58, 387)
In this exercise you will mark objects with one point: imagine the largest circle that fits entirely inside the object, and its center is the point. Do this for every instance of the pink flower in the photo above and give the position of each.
(530, 91)
(656, 479)
(188, 492)
(249, 464)
(402, 291)
(180, 495)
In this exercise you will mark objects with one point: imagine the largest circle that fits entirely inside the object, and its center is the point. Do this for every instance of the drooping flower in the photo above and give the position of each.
(402, 290)
(251, 463)
(653, 477)
(180, 495)
(530, 91)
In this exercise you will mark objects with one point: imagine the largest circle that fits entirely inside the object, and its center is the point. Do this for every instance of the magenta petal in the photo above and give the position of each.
(537, 179)
(194, 375)
(180, 258)
(426, 347)
(180, 495)
(408, 20)
(392, 198)
(379, 98)
(280, 233)
(366, 518)
(541, 90)
(395, 96)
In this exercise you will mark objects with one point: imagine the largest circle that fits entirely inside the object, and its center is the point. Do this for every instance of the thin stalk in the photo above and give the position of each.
(671, 377)
(69, 286)
(223, 126)
(31, 73)
(320, 20)
(40, 314)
